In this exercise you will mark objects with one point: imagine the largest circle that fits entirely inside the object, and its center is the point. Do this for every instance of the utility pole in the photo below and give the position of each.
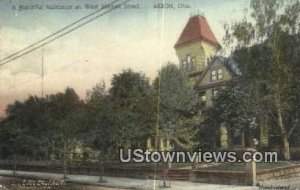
(42, 74)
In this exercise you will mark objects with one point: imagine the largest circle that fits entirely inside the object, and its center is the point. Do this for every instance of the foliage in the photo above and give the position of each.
(265, 53)
(42, 123)
(133, 108)
(232, 108)
(177, 106)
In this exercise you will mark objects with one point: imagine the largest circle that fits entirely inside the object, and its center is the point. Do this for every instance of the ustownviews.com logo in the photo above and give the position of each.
(140, 155)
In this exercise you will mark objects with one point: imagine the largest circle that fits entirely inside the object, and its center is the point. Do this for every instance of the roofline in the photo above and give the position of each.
(216, 84)
(198, 39)
(212, 61)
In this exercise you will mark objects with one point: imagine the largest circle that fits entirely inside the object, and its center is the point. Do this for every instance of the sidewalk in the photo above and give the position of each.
(127, 183)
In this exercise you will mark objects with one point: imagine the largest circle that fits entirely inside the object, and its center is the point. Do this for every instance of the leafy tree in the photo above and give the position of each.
(232, 107)
(274, 22)
(66, 114)
(177, 106)
(27, 116)
(99, 124)
(292, 107)
(38, 126)
(15, 142)
(132, 108)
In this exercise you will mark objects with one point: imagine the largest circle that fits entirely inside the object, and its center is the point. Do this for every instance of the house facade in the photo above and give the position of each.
(196, 50)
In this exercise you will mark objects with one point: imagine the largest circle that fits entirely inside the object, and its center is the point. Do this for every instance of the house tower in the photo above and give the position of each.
(196, 45)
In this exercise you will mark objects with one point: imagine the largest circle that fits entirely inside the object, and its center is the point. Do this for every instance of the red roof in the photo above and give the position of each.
(197, 28)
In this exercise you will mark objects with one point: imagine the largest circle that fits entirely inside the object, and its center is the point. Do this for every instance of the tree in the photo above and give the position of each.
(16, 143)
(177, 106)
(132, 108)
(99, 122)
(26, 117)
(37, 125)
(232, 107)
(292, 94)
(66, 114)
(266, 39)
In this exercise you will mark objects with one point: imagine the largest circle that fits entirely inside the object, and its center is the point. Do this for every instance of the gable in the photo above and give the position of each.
(214, 68)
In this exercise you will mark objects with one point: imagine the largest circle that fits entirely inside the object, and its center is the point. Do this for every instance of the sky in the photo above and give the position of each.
(139, 38)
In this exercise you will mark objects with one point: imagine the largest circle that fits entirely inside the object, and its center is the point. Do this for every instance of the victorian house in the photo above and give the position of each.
(197, 49)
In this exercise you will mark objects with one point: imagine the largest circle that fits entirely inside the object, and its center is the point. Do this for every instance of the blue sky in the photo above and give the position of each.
(125, 38)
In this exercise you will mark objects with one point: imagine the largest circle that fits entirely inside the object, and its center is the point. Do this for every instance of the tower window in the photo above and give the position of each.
(183, 64)
(188, 59)
(187, 66)
(206, 62)
(189, 63)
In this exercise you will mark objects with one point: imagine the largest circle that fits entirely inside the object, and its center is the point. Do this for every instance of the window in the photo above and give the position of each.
(216, 75)
(188, 59)
(215, 92)
(203, 98)
(220, 74)
(187, 66)
(206, 62)
(203, 101)
(194, 63)
(188, 63)
(213, 75)
(183, 64)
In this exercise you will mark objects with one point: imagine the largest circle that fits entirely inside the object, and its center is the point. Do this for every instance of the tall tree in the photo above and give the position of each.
(273, 23)
(99, 124)
(177, 106)
(65, 109)
(132, 108)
